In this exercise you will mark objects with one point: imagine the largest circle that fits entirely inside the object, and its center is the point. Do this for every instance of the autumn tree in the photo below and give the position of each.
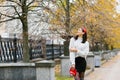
(98, 20)
(59, 18)
(22, 10)
(67, 17)
(104, 19)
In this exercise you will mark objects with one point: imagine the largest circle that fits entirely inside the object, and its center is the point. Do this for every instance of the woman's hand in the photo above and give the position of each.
(73, 65)
(73, 50)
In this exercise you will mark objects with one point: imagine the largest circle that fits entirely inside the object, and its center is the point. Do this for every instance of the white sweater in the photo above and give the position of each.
(83, 49)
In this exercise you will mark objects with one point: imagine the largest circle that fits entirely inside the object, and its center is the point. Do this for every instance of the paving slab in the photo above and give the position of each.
(108, 71)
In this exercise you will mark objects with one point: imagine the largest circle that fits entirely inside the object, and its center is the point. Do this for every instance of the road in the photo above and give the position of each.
(108, 71)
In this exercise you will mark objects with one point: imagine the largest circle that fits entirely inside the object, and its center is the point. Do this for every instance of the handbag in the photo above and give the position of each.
(72, 71)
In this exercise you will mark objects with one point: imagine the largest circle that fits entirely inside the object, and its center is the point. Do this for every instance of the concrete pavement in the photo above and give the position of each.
(108, 71)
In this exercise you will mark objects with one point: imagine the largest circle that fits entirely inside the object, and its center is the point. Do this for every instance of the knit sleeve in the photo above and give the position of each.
(71, 44)
(84, 52)
(72, 54)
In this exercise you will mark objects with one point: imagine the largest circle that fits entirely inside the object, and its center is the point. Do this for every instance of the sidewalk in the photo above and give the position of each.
(108, 71)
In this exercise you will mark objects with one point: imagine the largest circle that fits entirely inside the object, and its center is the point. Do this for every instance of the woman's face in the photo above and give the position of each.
(80, 32)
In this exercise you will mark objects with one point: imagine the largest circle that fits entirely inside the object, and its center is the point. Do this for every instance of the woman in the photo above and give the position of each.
(79, 48)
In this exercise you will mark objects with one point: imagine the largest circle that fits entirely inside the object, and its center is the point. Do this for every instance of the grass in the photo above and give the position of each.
(59, 77)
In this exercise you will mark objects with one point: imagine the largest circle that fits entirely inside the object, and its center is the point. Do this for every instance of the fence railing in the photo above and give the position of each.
(8, 52)
(11, 50)
(54, 51)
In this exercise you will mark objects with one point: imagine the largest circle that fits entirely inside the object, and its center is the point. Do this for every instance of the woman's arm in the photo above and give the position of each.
(85, 51)
(71, 46)
(71, 51)
(72, 58)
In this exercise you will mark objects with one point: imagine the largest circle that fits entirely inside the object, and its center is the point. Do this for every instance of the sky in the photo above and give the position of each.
(118, 7)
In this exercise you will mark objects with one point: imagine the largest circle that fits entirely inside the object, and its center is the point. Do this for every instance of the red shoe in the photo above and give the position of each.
(72, 71)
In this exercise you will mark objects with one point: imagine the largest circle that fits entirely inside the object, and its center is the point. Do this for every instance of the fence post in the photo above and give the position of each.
(52, 50)
(15, 48)
(0, 48)
(43, 47)
(60, 49)
(30, 49)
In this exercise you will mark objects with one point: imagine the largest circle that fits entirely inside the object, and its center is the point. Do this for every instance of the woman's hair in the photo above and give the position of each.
(84, 36)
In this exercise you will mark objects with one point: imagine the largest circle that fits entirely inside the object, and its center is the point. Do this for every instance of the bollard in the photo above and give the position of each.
(45, 70)
(65, 65)
(97, 59)
(90, 60)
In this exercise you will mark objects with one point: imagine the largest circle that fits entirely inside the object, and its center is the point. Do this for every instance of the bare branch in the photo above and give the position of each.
(14, 9)
(17, 12)
(7, 6)
(9, 20)
(14, 1)
(30, 2)
(8, 16)
(34, 7)
(63, 5)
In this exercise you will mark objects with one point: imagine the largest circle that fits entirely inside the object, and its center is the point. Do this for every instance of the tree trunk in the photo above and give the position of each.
(25, 47)
(66, 48)
(26, 56)
(67, 24)
(25, 42)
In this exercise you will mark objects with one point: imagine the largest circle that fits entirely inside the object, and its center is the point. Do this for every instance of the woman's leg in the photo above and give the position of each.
(81, 75)
(77, 77)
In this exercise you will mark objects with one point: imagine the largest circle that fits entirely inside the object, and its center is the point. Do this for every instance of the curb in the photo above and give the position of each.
(91, 70)
(88, 72)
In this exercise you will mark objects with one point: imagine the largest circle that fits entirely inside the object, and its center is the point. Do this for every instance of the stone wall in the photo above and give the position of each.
(17, 71)
(43, 70)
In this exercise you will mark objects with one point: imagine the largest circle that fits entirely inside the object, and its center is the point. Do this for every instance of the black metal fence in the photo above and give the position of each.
(54, 51)
(11, 50)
